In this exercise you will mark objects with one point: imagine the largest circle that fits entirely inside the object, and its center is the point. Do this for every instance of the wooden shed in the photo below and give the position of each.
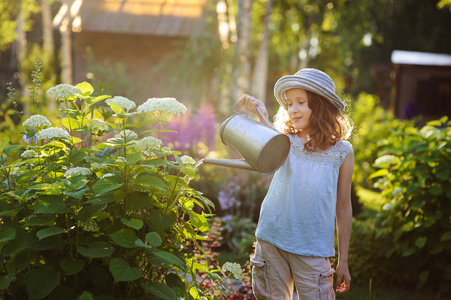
(134, 34)
(422, 84)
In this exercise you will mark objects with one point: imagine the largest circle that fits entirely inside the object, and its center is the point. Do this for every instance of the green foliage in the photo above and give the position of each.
(415, 220)
(372, 125)
(9, 12)
(88, 210)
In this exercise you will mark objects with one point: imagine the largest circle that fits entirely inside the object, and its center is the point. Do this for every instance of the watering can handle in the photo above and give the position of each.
(238, 105)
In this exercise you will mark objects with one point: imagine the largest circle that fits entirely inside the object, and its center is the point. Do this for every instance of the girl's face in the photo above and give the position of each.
(298, 109)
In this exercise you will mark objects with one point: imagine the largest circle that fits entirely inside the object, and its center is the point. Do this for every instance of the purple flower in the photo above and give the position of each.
(192, 129)
(27, 139)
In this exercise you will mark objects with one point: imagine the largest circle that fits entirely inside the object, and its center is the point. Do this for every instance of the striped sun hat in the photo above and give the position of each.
(312, 80)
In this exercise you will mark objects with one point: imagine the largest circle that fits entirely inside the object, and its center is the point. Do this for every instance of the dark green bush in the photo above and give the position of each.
(415, 222)
(372, 125)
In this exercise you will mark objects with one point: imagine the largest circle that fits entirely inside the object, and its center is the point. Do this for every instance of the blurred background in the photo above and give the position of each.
(391, 63)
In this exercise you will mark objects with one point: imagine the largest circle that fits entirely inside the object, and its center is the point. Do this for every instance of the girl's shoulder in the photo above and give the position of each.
(343, 147)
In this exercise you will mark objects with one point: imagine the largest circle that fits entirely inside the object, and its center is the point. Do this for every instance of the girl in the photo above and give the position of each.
(308, 194)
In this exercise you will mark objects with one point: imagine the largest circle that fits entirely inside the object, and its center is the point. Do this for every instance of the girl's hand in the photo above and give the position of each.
(251, 104)
(343, 278)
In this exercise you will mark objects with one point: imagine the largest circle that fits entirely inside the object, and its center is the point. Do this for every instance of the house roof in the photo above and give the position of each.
(147, 17)
(420, 58)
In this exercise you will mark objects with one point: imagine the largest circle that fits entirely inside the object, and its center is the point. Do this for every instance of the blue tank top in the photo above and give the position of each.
(298, 212)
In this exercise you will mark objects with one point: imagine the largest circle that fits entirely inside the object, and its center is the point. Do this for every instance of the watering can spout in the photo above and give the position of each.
(232, 163)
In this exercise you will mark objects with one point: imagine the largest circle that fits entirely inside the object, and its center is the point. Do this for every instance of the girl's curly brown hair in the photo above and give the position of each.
(328, 124)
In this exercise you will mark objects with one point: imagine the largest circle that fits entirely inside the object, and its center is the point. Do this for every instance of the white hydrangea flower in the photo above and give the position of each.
(128, 134)
(149, 142)
(52, 132)
(162, 107)
(98, 167)
(106, 175)
(187, 160)
(123, 102)
(37, 121)
(77, 171)
(96, 125)
(62, 92)
(233, 268)
(29, 154)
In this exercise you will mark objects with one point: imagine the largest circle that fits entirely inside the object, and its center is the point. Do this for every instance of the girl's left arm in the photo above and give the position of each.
(344, 222)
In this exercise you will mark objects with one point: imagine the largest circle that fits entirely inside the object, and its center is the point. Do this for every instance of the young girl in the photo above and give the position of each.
(308, 194)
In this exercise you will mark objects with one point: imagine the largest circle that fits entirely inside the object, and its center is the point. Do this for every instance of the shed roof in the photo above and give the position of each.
(147, 17)
(420, 58)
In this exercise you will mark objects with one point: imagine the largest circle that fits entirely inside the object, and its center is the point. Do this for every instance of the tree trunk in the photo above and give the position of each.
(260, 73)
(21, 50)
(244, 44)
(305, 59)
(66, 46)
(47, 30)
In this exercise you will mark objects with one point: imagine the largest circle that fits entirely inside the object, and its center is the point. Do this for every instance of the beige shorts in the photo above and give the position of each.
(274, 271)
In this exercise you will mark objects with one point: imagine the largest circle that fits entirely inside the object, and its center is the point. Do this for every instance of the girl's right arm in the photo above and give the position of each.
(251, 104)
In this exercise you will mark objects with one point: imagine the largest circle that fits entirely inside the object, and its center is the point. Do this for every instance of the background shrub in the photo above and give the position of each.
(412, 232)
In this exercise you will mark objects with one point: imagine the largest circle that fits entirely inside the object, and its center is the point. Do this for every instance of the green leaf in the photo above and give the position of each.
(41, 282)
(199, 221)
(77, 156)
(443, 174)
(153, 239)
(88, 211)
(51, 231)
(105, 185)
(116, 108)
(435, 123)
(101, 199)
(165, 259)
(421, 241)
(23, 259)
(70, 123)
(74, 140)
(3, 143)
(423, 277)
(137, 201)
(175, 283)
(86, 296)
(96, 249)
(76, 194)
(385, 161)
(7, 234)
(5, 281)
(133, 223)
(446, 236)
(156, 162)
(91, 101)
(49, 204)
(121, 271)
(378, 173)
(409, 251)
(436, 189)
(86, 88)
(134, 158)
(150, 180)
(13, 148)
(141, 244)
(72, 267)
(159, 290)
(124, 237)
(160, 222)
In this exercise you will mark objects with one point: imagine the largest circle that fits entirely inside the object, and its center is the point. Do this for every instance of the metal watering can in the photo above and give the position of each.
(263, 148)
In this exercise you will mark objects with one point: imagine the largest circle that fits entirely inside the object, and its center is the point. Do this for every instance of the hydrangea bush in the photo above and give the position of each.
(89, 209)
